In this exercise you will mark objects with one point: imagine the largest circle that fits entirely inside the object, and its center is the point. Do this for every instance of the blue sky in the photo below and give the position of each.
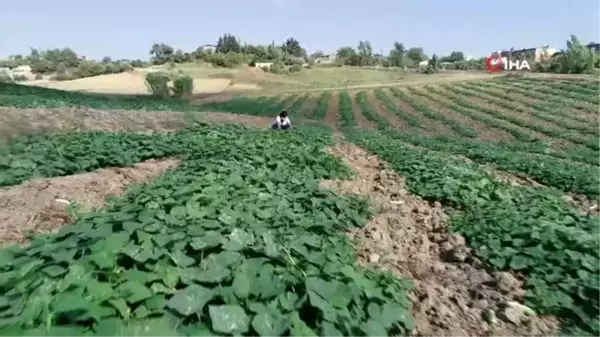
(127, 28)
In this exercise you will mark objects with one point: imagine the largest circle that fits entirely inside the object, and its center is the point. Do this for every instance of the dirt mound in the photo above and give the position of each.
(454, 295)
(39, 205)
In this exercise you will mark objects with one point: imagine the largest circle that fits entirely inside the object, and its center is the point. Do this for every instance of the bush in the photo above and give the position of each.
(39, 76)
(20, 78)
(183, 86)
(62, 76)
(158, 84)
(265, 69)
(276, 68)
(5, 77)
(295, 68)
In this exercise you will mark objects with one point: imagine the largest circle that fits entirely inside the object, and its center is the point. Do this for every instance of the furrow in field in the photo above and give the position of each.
(484, 132)
(490, 117)
(579, 110)
(527, 107)
(381, 110)
(361, 120)
(501, 109)
(321, 106)
(332, 114)
(409, 116)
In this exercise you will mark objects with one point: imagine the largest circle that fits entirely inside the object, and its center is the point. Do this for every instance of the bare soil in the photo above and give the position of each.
(361, 121)
(333, 110)
(236, 119)
(410, 238)
(40, 205)
(485, 133)
(15, 122)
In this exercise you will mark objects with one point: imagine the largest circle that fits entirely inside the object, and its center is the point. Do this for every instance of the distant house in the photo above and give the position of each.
(535, 54)
(263, 65)
(594, 46)
(209, 48)
(325, 59)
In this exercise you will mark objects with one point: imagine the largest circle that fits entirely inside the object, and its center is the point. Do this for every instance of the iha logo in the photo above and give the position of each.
(496, 63)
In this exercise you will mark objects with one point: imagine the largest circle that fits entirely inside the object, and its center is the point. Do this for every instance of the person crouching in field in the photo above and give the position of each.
(282, 121)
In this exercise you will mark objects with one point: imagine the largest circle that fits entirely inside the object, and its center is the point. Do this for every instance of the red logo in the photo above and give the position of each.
(494, 63)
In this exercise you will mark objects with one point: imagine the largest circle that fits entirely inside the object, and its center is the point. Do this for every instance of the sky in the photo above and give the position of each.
(128, 28)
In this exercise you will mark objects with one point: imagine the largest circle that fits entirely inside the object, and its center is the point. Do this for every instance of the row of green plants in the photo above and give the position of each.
(526, 230)
(347, 118)
(322, 108)
(586, 92)
(507, 96)
(460, 129)
(392, 105)
(32, 156)
(524, 141)
(217, 246)
(553, 101)
(489, 117)
(557, 133)
(564, 175)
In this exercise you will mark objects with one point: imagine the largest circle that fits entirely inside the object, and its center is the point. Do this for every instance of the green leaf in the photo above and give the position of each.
(214, 274)
(121, 306)
(267, 324)
(519, 262)
(191, 299)
(181, 259)
(54, 270)
(374, 328)
(134, 291)
(241, 285)
(238, 240)
(209, 240)
(229, 319)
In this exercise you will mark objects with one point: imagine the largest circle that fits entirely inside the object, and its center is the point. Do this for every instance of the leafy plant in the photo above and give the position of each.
(183, 86)
(158, 84)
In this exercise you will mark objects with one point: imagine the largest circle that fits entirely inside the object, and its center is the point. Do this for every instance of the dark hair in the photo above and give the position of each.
(283, 113)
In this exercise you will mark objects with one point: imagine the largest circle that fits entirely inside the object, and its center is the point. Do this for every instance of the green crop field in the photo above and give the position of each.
(241, 238)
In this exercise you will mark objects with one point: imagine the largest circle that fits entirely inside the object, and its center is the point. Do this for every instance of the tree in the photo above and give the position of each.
(292, 47)
(228, 43)
(365, 53)
(347, 56)
(455, 56)
(317, 54)
(161, 53)
(397, 55)
(416, 54)
(576, 59)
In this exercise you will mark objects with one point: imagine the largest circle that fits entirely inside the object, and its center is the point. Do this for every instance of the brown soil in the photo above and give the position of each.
(361, 121)
(227, 118)
(15, 122)
(410, 238)
(39, 205)
(383, 111)
(485, 133)
(333, 110)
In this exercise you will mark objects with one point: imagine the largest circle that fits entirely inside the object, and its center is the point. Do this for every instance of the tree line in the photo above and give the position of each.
(290, 56)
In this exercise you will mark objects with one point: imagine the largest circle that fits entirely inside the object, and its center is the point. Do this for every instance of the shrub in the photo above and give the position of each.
(276, 68)
(265, 69)
(20, 78)
(295, 68)
(183, 86)
(158, 84)
(5, 76)
(62, 76)
(39, 76)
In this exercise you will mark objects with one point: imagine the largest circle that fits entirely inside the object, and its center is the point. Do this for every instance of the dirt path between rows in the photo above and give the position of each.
(410, 238)
(40, 205)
